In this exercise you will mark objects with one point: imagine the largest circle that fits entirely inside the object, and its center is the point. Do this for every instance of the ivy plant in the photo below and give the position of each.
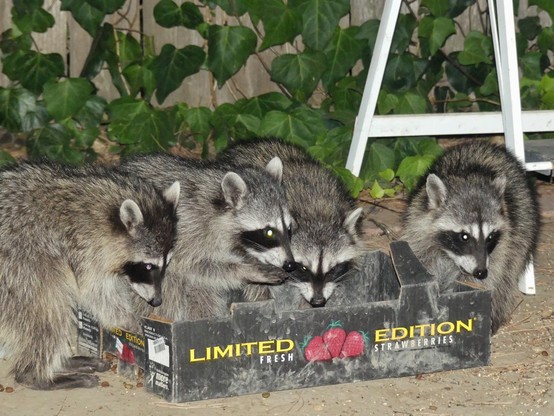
(60, 117)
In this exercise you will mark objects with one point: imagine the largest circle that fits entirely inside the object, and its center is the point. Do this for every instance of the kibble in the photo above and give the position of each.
(105, 384)
(139, 385)
(8, 389)
(265, 394)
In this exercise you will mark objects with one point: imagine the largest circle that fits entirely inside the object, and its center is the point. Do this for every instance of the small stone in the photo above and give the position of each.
(1, 388)
(544, 353)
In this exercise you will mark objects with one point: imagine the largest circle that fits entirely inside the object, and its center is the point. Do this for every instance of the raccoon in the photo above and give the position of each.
(233, 227)
(474, 216)
(75, 237)
(327, 236)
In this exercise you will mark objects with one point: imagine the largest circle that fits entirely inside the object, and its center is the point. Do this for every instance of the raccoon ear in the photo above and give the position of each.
(234, 190)
(275, 168)
(130, 215)
(171, 194)
(352, 220)
(436, 191)
(500, 184)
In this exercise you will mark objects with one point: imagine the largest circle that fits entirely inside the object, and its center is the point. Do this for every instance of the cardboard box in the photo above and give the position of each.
(394, 319)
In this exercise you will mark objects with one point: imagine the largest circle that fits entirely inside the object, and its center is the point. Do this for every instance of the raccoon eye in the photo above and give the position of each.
(149, 267)
(289, 231)
(464, 236)
(269, 233)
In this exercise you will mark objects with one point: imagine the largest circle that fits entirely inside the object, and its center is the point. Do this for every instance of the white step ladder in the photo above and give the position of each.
(511, 120)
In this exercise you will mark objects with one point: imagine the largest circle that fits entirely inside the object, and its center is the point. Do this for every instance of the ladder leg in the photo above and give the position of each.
(372, 85)
(504, 40)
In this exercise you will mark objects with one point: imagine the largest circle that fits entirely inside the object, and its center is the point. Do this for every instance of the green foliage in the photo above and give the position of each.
(320, 79)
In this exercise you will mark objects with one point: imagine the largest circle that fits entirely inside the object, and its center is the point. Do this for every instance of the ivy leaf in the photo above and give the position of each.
(91, 113)
(281, 22)
(436, 30)
(232, 7)
(386, 102)
(137, 124)
(33, 69)
(354, 184)
(300, 72)
(490, 86)
(320, 19)
(379, 158)
(54, 143)
(412, 168)
(533, 64)
(89, 17)
(295, 126)
(129, 48)
(530, 27)
(228, 50)
(376, 191)
(477, 49)
(403, 33)
(10, 43)
(342, 52)
(259, 106)
(546, 39)
(198, 119)
(168, 14)
(31, 19)
(446, 8)
(399, 73)
(20, 111)
(107, 6)
(66, 98)
(173, 65)
(411, 103)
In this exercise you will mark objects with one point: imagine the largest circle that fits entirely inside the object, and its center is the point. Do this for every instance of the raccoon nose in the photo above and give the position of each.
(318, 302)
(157, 301)
(480, 274)
(289, 266)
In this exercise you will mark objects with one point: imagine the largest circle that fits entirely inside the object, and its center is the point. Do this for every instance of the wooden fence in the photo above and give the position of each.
(69, 40)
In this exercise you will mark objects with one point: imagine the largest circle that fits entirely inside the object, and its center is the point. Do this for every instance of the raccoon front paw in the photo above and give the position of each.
(268, 274)
(68, 381)
(82, 364)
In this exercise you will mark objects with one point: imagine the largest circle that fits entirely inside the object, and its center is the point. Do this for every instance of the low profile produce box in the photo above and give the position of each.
(386, 320)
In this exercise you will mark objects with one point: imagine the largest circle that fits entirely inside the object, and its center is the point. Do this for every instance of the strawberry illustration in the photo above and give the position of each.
(315, 349)
(354, 344)
(334, 338)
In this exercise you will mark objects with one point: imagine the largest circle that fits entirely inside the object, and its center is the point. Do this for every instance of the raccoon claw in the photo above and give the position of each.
(82, 364)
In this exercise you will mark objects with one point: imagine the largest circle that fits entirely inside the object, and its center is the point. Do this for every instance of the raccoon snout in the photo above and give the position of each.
(289, 266)
(318, 302)
(480, 274)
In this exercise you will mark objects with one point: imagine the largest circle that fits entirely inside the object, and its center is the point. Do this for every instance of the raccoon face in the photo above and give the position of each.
(258, 206)
(324, 254)
(151, 237)
(146, 279)
(471, 248)
(470, 221)
(316, 288)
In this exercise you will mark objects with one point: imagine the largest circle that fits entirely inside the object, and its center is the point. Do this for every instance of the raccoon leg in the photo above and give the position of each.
(82, 364)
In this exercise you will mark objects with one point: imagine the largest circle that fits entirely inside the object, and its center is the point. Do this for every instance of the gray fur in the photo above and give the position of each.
(217, 205)
(327, 223)
(67, 236)
(475, 191)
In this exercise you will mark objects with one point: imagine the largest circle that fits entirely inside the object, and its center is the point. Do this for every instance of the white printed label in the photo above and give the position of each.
(158, 351)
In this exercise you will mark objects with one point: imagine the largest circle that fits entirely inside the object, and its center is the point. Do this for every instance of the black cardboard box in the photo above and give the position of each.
(387, 320)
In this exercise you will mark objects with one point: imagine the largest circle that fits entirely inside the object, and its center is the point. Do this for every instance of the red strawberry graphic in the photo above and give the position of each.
(334, 338)
(316, 350)
(354, 344)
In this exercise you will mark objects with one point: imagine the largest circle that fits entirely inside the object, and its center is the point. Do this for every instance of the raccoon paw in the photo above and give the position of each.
(67, 381)
(270, 275)
(82, 364)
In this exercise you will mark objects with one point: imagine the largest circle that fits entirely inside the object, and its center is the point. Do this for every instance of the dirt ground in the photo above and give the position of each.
(519, 380)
